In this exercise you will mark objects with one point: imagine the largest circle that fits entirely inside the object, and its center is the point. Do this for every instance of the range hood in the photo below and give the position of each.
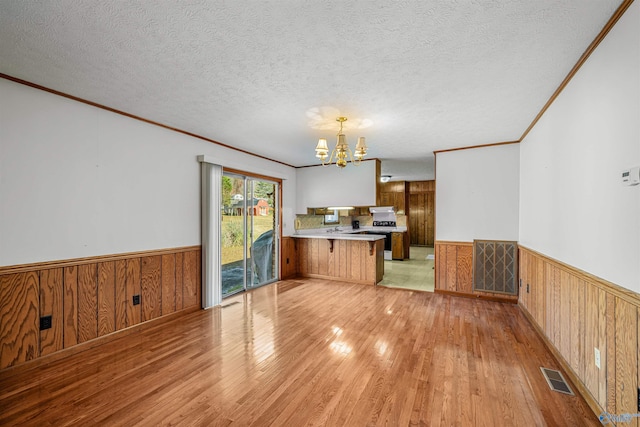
(381, 209)
(383, 216)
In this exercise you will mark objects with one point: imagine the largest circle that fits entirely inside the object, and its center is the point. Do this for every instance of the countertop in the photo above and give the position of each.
(347, 233)
(340, 236)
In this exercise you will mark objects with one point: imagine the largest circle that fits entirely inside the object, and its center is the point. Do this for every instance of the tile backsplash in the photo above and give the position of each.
(305, 222)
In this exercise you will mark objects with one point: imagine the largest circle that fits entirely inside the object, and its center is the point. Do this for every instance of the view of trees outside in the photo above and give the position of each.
(232, 187)
(232, 228)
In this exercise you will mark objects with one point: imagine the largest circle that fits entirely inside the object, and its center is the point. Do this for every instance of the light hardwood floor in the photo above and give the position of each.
(415, 273)
(307, 352)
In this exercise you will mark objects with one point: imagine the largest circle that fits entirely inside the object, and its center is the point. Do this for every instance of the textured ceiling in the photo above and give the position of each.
(271, 76)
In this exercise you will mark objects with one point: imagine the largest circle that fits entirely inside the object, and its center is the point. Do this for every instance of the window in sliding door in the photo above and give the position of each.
(249, 232)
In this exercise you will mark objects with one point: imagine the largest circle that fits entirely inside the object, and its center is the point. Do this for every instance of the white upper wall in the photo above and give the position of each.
(573, 206)
(79, 181)
(477, 194)
(320, 186)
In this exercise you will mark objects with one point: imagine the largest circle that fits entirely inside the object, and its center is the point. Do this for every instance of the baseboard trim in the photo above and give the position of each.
(576, 383)
(509, 300)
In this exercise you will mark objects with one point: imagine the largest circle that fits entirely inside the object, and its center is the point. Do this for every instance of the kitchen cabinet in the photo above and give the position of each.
(348, 258)
(399, 245)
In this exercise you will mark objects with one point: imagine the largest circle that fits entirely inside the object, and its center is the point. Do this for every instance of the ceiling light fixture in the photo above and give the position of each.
(385, 178)
(342, 149)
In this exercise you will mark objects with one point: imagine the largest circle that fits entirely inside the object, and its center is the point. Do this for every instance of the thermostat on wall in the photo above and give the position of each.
(631, 176)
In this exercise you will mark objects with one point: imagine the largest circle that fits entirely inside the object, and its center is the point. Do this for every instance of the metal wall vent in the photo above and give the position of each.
(495, 266)
(556, 381)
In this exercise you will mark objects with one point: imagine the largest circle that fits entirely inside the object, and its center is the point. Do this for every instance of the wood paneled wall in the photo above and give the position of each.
(289, 266)
(90, 298)
(454, 271)
(350, 260)
(422, 196)
(575, 313)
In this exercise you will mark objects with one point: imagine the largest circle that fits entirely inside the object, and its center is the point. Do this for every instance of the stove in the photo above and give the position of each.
(384, 223)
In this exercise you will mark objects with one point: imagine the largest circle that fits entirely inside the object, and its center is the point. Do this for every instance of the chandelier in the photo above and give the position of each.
(342, 151)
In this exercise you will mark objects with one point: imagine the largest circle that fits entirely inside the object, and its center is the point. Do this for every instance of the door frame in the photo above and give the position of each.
(278, 226)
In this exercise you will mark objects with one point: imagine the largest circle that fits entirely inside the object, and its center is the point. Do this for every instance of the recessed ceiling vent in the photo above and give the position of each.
(556, 381)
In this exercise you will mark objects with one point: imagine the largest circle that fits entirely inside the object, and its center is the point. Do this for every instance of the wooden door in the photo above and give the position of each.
(422, 213)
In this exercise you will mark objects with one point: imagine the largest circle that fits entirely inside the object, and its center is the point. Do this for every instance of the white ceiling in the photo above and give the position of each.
(271, 76)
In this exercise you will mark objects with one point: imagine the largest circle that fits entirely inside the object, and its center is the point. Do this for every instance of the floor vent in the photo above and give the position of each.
(230, 304)
(556, 381)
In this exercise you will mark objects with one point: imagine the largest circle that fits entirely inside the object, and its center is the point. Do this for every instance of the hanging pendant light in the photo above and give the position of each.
(341, 153)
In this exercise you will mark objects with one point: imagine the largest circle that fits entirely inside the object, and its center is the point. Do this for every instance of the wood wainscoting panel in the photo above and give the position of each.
(626, 369)
(333, 258)
(90, 298)
(611, 354)
(121, 294)
(70, 304)
(87, 302)
(577, 324)
(564, 338)
(19, 325)
(355, 261)
(168, 283)
(454, 271)
(191, 278)
(349, 260)
(539, 290)
(151, 286)
(322, 257)
(451, 268)
(591, 340)
(314, 256)
(106, 297)
(302, 262)
(602, 373)
(179, 281)
(577, 313)
(288, 268)
(51, 304)
(342, 268)
(134, 312)
(464, 269)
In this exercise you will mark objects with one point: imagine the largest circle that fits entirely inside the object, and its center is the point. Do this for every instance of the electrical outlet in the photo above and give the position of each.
(597, 357)
(136, 299)
(45, 322)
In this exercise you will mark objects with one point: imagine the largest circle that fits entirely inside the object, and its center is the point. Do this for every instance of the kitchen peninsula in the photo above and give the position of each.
(340, 255)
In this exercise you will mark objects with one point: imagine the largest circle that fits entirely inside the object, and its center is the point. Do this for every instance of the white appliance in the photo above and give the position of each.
(384, 221)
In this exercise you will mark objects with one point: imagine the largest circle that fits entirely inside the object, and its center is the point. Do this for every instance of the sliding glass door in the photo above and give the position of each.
(249, 231)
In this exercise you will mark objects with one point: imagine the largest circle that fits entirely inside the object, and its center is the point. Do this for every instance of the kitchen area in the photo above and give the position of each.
(352, 226)
(350, 243)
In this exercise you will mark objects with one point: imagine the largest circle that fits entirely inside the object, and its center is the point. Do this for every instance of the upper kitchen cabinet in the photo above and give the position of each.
(394, 194)
(330, 186)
